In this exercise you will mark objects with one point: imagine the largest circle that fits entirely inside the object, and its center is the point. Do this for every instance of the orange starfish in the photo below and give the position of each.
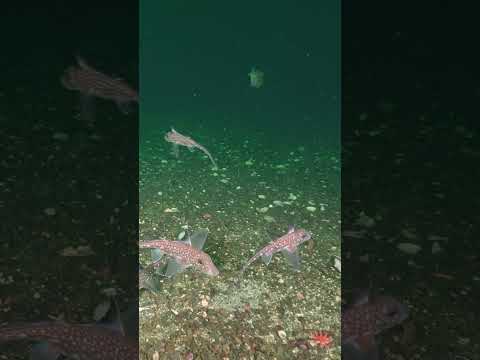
(321, 338)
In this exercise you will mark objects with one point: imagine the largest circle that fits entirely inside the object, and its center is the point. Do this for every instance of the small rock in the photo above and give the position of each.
(311, 208)
(365, 220)
(269, 219)
(50, 211)
(409, 248)
(60, 136)
(436, 248)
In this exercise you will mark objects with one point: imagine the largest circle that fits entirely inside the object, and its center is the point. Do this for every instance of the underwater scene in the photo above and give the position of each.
(239, 183)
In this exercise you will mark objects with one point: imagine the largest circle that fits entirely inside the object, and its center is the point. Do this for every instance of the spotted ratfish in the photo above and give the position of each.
(287, 244)
(177, 139)
(91, 82)
(182, 254)
(365, 319)
(55, 339)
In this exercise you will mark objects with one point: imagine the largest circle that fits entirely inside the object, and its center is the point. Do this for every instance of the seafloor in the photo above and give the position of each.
(265, 182)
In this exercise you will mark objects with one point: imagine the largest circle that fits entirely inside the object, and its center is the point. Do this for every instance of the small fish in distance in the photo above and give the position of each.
(177, 139)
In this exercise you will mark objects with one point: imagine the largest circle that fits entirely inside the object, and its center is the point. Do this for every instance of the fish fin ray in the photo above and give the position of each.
(198, 238)
(174, 268)
(267, 259)
(293, 258)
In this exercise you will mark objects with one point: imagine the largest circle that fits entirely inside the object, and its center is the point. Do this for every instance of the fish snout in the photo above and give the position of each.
(207, 266)
(213, 271)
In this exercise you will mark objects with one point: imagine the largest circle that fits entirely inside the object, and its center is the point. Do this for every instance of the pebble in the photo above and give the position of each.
(50, 211)
(60, 136)
(409, 248)
(311, 208)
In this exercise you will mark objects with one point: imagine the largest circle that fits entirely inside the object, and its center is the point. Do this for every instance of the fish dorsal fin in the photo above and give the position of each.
(293, 258)
(291, 229)
(111, 319)
(198, 238)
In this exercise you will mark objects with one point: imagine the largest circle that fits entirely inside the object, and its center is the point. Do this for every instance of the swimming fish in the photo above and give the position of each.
(91, 82)
(182, 254)
(256, 78)
(177, 139)
(287, 244)
(365, 319)
(100, 341)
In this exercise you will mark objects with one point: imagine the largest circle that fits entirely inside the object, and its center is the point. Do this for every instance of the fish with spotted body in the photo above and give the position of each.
(287, 244)
(55, 339)
(92, 83)
(181, 254)
(176, 139)
(364, 320)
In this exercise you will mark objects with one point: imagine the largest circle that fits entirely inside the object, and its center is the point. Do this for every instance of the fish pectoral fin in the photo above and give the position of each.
(293, 258)
(43, 351)
(175, 150)
(157, 266)
(149, 280)
(198, 238)
(156, 254)
(174, 268)
(111, 319)
(266, 259)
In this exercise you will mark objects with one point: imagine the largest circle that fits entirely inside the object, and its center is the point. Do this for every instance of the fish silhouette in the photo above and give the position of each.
(366, 318)
(105, 340)
(177, 139)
